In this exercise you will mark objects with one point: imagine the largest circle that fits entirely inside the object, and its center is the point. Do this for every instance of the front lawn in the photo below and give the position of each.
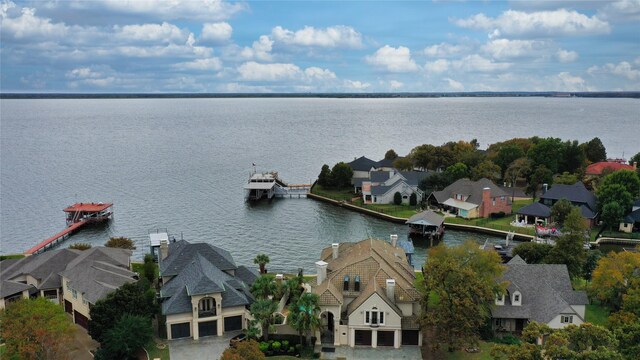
(155, 351)
(347, 195)
(597, 314)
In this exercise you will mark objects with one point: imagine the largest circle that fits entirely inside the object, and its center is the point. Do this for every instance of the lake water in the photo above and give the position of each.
(180, 164)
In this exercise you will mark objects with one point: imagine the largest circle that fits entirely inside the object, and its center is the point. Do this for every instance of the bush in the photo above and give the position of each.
(413, 199)
(507, 340)
(498, 215)
(285, 344)
(264, 346)
(397, 198)
(298, 347)
(291, 350)
(276, 346)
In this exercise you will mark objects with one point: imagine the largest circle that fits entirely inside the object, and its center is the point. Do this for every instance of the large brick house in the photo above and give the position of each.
(472, 199)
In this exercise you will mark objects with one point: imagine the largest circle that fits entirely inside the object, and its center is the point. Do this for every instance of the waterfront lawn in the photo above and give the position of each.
(503, 223)
(401, 211)
(597, 314)
(345, 194)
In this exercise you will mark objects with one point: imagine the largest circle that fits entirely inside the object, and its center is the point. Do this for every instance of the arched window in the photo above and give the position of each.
(356, 283)
(345, 286)
(207, 307)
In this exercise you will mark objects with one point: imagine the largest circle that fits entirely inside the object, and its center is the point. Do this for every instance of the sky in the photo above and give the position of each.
(214, 46)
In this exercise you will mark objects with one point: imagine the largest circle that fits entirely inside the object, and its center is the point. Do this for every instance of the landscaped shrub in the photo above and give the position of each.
(264, 346)
(507, 340)
(397, 198)
(498, 215)
(276, 346)
(291, 350)
(285, 344)
(413, 199)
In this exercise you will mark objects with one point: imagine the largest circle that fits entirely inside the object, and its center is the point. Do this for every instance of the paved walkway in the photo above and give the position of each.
(369, 353)
(206, 348)
(82, 344)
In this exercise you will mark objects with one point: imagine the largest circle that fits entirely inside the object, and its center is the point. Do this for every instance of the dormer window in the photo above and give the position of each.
(345, 286)
(356, 283)
(500, 299)
(516, 299)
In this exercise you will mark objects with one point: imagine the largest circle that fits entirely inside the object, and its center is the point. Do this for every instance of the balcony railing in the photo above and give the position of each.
(207, 313)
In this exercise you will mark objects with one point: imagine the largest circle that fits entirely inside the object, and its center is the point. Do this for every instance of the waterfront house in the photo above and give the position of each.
(203, 292)
(367, 295)
(631, 222)
(578, 195)
(361, 168)
(537, 292)
(74, 278)
(472, 199)
(381, 186)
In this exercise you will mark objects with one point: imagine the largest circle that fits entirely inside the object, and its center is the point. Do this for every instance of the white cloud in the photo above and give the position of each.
(356, 85)
(637, 60)
(501, 49)
(83, 73)
(621, 10)
(260, 50)
(206, 10)
(316, 73)
(393, 59)
(444, 50)
(555, 23)
(29, 26)
(438, 66)
(216, 32)
(478, 63)
(253, 71)
(164, 32)
(330, 37)
(209, 64)
(566, 56)
(454, 85)
(395, 84)
(569, 82)
(623, 69)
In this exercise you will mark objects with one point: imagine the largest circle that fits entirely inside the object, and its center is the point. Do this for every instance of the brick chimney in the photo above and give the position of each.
(164, 249)
(335, 250)
(486, 201)
(321, 266)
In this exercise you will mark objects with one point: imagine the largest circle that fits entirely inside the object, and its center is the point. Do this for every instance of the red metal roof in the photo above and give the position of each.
(599, 167)
(88, 207)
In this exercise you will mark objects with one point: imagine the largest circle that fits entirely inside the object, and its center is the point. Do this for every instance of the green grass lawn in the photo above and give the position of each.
(596, 314)
(484, 354)
(155, 352)
(347, 195)
(138, 268)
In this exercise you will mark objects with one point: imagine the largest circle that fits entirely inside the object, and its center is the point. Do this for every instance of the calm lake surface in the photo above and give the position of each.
(180, 164)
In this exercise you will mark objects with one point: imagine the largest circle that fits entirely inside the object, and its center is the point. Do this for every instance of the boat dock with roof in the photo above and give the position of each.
(78, 215)
(268, 185)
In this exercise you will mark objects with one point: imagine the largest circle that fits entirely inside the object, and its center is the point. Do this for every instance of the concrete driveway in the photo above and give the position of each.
(206, 348)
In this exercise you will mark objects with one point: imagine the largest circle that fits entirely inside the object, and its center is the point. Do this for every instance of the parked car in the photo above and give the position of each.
(236, 339)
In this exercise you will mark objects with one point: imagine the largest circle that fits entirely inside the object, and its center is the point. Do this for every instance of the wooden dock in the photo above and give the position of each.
(78, 215)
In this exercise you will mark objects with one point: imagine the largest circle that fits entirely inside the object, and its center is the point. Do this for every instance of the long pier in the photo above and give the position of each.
(78, 215)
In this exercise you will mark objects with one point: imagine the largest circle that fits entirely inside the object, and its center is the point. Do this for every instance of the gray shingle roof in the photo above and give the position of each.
(379, 176)
(426, 217)
(472, 189)
(182, 253)
(546, 292)
(632, 217)
(41, 267)
(414, 177)
(385, 163)
(576, 193)
(357, 182)
(95, 279)
(363, 164)
(9, 288)
(198, 273)
(535, 209)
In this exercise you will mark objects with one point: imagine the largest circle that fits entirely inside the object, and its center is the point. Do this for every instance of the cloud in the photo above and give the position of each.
(395, 84)
(569, 82)
(316, 73)
(478, 63)
(454, 85)
(566, 56)
(209, 64)
(624, 10)
(83, 73)
(216, 32)
(356, 85)
(622, 69)
(437, 66)
(330, 37)
(260, 50)
(164, 32)
(561, 22)
(253, 71)
(27, 25)
(206, 10)
(392, 59)
(444, 50)
(501, 49)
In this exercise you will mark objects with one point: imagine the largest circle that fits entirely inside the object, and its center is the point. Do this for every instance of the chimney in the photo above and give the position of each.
(486, 202)
(635, 164)
(391, 290)
(394, 240)
(164, 249)
(279, 278)
(321, 266)
(545, 187)
(335, 249)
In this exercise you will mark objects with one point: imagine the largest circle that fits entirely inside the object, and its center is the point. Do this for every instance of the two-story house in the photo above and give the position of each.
(537, 292)
(381, 186)
(367, 296)
(472, 199)
(578, 195)
(203, 292)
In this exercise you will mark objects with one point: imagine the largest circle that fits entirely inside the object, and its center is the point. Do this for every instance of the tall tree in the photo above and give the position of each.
(560, 210)
(262, 260)
(262, 311)
(127, 336)
(486, 169)
(304, 315)
(573, 158)
(508, 154)
(324, 179)
(403, 164)
(594, 150)
(456, 172)
(132, 298)
(120, 242)
(390, 155)
(613, 276)
(635, 159)
(263, 287)
(443, 156)
(341, 175)
(626, 178)
(569, 249)
(460, 284)
(531, 252)
(541, 175)
(150, 268)
(422, 155)
(547, 152)
(35, 329)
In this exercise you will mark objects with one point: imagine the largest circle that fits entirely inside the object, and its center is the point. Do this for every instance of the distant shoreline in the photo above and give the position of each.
(558, 94)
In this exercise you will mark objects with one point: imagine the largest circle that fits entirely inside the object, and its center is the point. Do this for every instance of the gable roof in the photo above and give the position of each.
(576, 193)
(535, 209)
(386, 163)
(426, 217)
(546, 292)
(379, 176)
(195, 271)
(94, 279)
(383, 189)
(372, 289)
(599, 167)
(44, 266)
(632, 217)
(363, 164)
(414, 177)
(471, 189)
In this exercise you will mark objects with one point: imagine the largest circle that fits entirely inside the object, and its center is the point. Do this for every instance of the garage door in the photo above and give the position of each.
(68, 307)
(232, 323)
(208, 328)
(182, 330)
(81, 319)
(410, 337)
(363, 337)
(385, 338)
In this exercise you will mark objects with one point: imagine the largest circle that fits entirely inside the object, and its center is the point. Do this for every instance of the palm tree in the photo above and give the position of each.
(263, 287)
(262, 311)
(294, 288)
(304, 315)
(262, 260)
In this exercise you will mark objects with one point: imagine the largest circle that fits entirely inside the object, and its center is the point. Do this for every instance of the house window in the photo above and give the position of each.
(84, 301)
(374, 317)
(345, 286)
(207, 307)
(375, 199)
(566, 319)
(493, 201)
(516, 297)
(356, 284)
(367, 315)
(74, 293)
(458, 197)
(502, 198)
